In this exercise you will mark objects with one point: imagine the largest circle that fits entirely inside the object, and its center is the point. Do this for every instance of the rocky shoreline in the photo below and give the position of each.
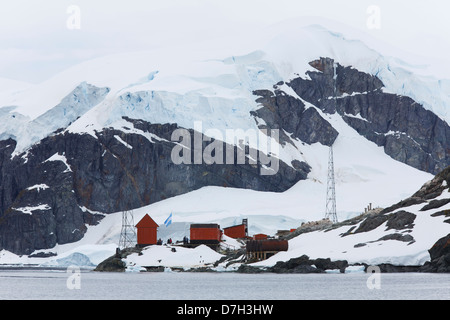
(439, 253)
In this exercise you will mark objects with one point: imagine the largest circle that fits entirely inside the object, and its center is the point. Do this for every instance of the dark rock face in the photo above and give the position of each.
(433, 204)
(408, 132)
(304, 264)
(400, 220)
(281, 111)
(371, 223)
(440, 256)
(82, 174)
(115, 263)
(440, 248)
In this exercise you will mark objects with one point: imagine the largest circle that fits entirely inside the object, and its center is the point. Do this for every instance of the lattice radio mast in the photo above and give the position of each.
(330, 211)
(128, 233)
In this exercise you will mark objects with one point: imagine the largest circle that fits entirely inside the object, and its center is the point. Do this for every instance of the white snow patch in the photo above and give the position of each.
(357, 116)
(123, 142)
(58, 157)
(38, 187)
(29, 210)
(154, 256)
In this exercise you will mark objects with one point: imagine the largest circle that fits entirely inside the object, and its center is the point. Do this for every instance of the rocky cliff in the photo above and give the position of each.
(53, 191)
(408, 132)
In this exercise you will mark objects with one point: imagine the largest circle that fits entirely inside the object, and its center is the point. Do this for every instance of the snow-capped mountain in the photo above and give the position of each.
(97, 138)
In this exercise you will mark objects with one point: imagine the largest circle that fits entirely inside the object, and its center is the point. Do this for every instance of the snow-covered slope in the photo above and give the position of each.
(332, 245)
(402, 235)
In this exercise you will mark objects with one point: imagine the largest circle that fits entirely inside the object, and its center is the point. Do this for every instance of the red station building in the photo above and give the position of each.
(146, 231)
(238, 231)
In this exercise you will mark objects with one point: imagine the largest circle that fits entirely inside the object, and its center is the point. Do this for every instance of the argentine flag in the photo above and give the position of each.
(168, 220)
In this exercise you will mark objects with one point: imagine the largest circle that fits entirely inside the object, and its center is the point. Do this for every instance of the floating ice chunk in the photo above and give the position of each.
(355, 269)
(75, 259)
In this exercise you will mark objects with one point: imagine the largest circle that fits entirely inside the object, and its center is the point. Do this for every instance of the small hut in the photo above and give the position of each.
(146, 231)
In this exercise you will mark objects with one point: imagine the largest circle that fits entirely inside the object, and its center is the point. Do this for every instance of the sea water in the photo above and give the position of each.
(61, 285)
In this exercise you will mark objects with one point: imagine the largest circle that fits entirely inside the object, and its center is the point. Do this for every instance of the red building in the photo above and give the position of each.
(238, 231)
(260, 236)
(146, 231)
(235, 232)
(206, 233)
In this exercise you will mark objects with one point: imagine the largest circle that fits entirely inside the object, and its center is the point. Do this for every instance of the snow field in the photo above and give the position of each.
(182, 257)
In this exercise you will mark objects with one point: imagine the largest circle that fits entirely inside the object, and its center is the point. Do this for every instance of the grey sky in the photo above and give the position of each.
(35, 42)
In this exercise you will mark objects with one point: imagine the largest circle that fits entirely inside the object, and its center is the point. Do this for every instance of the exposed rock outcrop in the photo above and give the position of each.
(408, 132)
(51, 193)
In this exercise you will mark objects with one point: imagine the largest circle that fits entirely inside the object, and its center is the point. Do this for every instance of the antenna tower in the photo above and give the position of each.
(128, 232)
(330, 211)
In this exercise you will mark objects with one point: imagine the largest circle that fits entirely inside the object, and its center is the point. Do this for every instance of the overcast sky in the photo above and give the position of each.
(36, 42)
